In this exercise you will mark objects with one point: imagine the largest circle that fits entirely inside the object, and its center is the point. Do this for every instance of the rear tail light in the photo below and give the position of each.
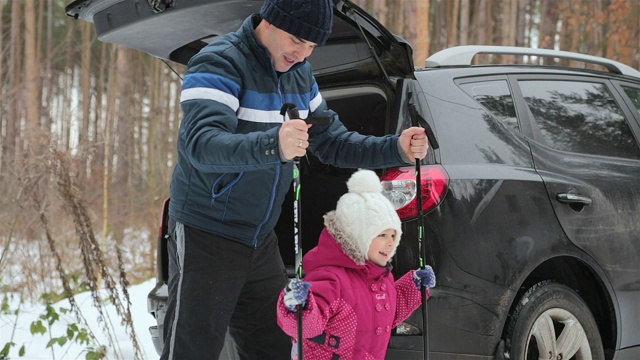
(399, 186)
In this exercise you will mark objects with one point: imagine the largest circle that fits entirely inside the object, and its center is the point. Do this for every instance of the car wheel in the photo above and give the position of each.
(551, 321)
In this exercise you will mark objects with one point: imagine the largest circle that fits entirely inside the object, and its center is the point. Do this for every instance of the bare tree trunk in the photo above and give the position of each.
(597, 43)
(452, 36)
(635, 34)
(85, 90)
(513, 27)
(513, 22)
(47, 85)
(41, 15)
(438, 22)
(67, 119)
(101, 115)
(417, 12)
(118, 148)
(113, 93)
(493, 18)
(506, 29)
(505, 33)
(531, 24)
(622, 27)
(423, 32)
(124, 127)
(464, 22)
(481, 23)
(138, 113)
(548, 24)
(576, 33)
(522, 23)
(13, 143)
(3, 137)
(570, 18)
(32, 78)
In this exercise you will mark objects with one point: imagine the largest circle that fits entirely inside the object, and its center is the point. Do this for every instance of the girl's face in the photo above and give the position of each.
(381, 247)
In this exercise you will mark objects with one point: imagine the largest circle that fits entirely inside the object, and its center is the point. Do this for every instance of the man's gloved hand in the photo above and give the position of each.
(424, 277)
(296, 293)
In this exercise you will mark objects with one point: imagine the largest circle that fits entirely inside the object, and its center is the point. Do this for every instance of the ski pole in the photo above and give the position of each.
(296, 189)
(293, 113)
(291, 110)
(421, 241)
(423, 256)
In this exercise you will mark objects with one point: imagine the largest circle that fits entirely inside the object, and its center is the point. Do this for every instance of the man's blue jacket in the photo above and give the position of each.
(230, 179)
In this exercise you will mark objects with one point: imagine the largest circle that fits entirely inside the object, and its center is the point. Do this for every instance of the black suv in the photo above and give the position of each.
(531, 201)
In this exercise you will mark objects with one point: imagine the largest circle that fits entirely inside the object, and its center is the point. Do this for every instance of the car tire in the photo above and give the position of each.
(553, 319)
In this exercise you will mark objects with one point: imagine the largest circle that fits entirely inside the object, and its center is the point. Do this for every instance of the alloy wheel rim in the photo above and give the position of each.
(557, 335)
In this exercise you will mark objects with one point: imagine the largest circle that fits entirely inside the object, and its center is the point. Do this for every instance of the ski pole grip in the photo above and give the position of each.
(418, 120)
(290, 110)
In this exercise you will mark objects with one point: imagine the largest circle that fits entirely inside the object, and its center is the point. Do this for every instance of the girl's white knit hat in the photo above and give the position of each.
(363, 213)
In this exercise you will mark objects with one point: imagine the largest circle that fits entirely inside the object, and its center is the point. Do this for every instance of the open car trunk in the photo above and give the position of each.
(364, 109)
(181, 30)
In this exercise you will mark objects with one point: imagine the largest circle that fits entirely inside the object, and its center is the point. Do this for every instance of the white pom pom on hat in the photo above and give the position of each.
(363, 213)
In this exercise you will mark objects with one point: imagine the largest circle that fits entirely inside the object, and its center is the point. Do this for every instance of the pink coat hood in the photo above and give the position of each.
(353, 304)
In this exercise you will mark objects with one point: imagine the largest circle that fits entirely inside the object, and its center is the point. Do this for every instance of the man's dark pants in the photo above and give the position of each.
(222, 283)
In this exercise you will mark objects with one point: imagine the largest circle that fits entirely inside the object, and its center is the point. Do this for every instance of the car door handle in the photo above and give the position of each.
(567, 198)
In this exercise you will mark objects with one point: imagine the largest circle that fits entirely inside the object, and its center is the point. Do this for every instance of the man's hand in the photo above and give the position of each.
(293, 138)
(414, 143)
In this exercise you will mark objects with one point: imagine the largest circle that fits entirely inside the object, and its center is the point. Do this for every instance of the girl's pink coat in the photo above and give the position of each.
(352, 308)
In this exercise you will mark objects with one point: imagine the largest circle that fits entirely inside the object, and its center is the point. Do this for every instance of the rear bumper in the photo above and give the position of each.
(156, 337)
(156, 306)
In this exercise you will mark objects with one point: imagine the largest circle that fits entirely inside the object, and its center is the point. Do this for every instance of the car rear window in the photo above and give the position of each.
(495, 96)
(581, 117)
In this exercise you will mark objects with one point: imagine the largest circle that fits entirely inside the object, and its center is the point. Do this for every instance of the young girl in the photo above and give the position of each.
(349, 298)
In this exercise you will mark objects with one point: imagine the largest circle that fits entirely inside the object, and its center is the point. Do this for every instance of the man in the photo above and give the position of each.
(234, 168)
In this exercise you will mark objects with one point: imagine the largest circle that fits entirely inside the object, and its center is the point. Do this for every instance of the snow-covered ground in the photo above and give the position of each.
(18, 328)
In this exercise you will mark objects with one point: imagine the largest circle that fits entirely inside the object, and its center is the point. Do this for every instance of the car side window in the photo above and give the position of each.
(580, 117)
(634, 95)
(494, 96)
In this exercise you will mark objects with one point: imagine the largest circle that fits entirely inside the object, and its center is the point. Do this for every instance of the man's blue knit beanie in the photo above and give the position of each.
(309, 20)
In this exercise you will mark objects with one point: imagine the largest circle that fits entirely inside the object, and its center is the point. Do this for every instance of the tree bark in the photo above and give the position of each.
(452, 36)
(464, 22)
(522, 23)
(31, 65)
(84, 136)
(13, 140)
(47, 83)
(3, 122)
(481, 23)
(548, 24)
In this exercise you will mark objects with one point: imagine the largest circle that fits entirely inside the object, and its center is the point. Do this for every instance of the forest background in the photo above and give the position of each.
(87, 129)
